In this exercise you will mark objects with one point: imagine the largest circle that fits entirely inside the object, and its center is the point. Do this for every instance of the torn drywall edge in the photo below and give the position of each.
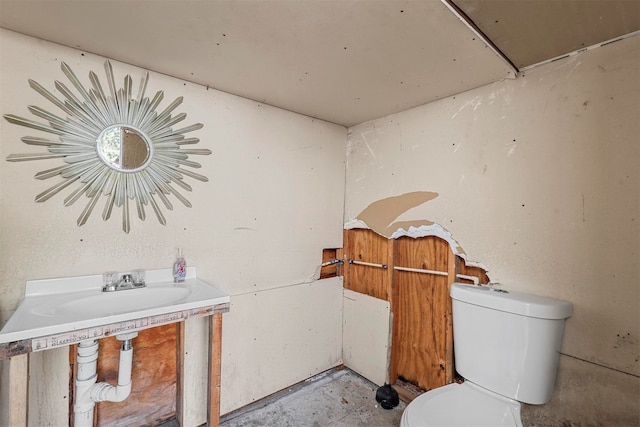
(420, 231)
(355, 224)
(431, 230)
(415, 232)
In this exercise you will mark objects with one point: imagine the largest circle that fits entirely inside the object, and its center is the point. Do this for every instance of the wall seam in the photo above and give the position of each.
(600, 365)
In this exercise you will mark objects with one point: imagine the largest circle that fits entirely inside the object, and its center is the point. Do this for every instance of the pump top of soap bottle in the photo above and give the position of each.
(179, 267)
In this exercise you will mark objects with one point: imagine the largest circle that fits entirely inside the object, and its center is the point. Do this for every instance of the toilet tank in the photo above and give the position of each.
(508, 342)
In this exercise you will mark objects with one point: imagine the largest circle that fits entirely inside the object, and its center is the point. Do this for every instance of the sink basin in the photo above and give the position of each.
(110, 303)
(61, 311)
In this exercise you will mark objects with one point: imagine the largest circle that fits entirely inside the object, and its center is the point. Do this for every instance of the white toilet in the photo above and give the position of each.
(507, 348)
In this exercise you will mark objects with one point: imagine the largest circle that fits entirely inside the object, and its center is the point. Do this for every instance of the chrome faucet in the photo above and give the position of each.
(124, 283)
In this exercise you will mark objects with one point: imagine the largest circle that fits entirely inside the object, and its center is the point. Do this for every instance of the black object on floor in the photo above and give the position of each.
(387, 397)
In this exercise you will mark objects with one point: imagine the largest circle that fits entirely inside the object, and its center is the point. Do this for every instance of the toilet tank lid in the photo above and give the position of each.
(512, 302)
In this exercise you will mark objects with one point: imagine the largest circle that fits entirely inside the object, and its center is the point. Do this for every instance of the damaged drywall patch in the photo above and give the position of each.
(380, 217)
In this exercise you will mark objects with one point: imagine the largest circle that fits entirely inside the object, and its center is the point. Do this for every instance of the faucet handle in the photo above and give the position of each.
(138, 277)
(109, 281)
(109, 288)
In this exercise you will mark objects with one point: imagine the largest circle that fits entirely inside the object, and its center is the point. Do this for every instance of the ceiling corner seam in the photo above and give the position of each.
(478, 32)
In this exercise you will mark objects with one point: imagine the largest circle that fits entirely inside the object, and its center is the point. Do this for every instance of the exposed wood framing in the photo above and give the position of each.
(19, 390)
(420, 315)
(415, 276)
(180, 373)
(468, 270)
(15, 348)
(449, 364)
(330, 267)
(370, 247)
(215, 370)
(73, 371)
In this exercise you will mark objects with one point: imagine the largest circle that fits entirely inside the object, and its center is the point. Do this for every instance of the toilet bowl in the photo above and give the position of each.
(507, 347)
(462, 405)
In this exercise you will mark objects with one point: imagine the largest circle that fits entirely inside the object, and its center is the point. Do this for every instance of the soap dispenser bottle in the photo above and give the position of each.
(179, 268)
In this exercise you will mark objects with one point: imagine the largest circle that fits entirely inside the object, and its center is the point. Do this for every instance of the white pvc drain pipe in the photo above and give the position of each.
(88, 392)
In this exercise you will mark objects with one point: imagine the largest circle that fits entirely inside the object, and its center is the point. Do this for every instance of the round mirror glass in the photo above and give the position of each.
(123, 148)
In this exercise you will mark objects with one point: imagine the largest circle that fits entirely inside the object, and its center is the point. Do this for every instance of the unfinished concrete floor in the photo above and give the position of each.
(334, 398)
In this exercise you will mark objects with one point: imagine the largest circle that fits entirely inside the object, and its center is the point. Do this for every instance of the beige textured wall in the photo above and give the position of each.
(537, 179)
(258, 227)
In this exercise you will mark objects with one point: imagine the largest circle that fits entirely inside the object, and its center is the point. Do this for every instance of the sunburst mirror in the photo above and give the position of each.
(113, 144)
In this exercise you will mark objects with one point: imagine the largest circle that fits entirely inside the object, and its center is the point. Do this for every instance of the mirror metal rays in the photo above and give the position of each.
(113, 144)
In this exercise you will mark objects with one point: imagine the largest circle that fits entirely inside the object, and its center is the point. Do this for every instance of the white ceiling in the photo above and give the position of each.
(344, 61)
